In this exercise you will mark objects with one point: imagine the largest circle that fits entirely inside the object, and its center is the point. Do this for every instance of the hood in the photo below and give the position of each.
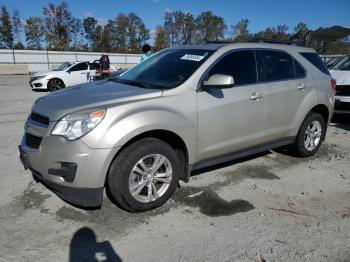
(43, 73)
(101, 94)
(342, 77)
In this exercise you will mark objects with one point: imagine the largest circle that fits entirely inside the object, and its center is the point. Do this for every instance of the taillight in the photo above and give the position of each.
(333, 85)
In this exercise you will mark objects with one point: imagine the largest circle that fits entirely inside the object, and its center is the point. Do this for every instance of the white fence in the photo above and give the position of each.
(38, 60)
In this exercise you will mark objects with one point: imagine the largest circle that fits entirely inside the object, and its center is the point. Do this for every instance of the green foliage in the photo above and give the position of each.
(161, 38)
(57, 22)
(34, 32)
(209, 27)
(6, 30)
(17, 29)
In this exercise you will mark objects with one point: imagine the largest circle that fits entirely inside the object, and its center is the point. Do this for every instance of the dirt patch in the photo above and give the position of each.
(31, 199)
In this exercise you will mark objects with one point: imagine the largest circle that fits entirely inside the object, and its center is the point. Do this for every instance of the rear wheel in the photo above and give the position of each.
(55, 84)
(310, 136)
(144, 175)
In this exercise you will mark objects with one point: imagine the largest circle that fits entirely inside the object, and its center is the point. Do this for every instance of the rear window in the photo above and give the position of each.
(314, 59)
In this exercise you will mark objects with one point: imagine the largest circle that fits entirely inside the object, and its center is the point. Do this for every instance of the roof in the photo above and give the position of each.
(244, 45)
(333, 33)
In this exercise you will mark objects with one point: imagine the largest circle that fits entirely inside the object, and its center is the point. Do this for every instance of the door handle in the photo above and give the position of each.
(256, 96)
(83, 73)
(302, 87)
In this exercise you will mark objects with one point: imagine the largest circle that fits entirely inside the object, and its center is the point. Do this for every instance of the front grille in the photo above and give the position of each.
(342, 90)
(33, 141)
(39, 118)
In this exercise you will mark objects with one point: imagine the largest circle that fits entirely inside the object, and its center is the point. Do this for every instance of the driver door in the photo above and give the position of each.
(78, 74)
(231, 119)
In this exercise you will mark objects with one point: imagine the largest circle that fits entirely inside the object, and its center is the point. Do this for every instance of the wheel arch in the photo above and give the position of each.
(169, 137)
(323, 111)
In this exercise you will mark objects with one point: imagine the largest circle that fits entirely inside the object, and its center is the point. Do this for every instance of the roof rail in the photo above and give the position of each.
(219, 42)
(276, 41)
(258, 40)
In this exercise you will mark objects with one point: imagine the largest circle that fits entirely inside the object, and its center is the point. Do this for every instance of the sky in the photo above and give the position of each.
(261, 13)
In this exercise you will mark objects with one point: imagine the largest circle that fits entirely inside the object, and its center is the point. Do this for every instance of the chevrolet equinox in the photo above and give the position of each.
(183, 109)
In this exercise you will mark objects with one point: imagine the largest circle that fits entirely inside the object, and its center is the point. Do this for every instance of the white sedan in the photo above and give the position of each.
(67, 74)
(341, 73)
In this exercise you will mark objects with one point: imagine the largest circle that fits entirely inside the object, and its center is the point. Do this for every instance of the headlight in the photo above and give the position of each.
(75, 125)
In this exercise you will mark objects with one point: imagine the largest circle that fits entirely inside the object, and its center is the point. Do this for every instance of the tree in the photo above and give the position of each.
(76, 32)
(122, 22)
(138, 34)
(188, 29)
(240, 31)
(209, 27)
(17, 29)
(280, 32)
(179, 27)
(6, 33)
(161, 38)
(34, 32)
(57, 20)
(300, 32)
(89, 25)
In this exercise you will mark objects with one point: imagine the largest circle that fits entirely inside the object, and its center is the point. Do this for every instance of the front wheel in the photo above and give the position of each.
(310, 136)
(55, 84)
(144, 175)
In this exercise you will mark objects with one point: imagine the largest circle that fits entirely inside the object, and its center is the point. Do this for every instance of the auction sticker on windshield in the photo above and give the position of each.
(196, 58)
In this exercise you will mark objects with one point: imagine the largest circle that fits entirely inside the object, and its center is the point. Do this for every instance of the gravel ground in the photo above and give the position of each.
(270, 207)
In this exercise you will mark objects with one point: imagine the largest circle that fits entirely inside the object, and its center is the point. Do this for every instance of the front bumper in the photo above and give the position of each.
(71, 169)
(38, 84)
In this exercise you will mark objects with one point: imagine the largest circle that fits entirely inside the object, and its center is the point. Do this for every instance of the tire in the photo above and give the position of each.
(131, 171)
(55, 84)
(310, 136)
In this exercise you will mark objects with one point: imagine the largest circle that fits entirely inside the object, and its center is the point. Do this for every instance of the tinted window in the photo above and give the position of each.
(166, 69)
(299, 70)
(241, 65)
(314, 59)
(277, 65)
(80, 67)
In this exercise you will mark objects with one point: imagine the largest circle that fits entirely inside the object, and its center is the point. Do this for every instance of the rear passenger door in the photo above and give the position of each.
(286, 87)
(231, 119)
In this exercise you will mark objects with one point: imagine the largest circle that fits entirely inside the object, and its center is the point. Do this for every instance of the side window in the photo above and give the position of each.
(315, 59)
(79, 67)
(277, 65)
(299, 70)
(241, 65)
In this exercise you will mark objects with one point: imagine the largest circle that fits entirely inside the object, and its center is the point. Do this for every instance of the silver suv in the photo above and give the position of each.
(183, 109)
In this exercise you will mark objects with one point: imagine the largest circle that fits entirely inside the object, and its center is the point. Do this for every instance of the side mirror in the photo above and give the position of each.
(218, 81)
(68, 71)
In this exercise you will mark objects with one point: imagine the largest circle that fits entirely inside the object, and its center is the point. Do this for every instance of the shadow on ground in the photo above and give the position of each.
(342, 121)
(84, 247)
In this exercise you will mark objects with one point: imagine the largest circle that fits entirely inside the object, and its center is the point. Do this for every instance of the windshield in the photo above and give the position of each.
(167, 69)
(343, 65)
(63, 66)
